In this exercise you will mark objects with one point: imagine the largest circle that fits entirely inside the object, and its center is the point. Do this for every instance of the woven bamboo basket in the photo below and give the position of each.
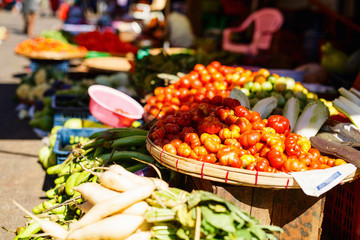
(48, 55)
(116, 64)
(225, 174)
(171, 51)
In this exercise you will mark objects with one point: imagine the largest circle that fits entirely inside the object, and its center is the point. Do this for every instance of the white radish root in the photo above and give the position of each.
(138, 208)
(159, 183)
(114, 205)
(95, 193)
(117, 182)
(139, 236)
(51, 228)
(118, 226)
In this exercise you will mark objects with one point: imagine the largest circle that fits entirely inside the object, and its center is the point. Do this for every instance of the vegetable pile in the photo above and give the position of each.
(41, 44)
(224, 132)
(126, 206)
(83, 165)
(203, 83)
(94, 41)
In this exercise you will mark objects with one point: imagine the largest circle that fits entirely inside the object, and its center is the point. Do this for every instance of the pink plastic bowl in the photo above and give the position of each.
(105, 100)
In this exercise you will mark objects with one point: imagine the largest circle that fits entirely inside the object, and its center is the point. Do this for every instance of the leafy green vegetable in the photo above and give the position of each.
(220, 219)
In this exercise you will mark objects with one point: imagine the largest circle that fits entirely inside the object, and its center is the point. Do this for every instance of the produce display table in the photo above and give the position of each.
(299, 215)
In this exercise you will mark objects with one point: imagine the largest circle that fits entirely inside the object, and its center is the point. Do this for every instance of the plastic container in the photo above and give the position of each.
(342, 212)
(69, 136)
(113, 107)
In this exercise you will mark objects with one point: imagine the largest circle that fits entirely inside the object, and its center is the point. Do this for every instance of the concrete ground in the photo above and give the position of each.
(22, 177)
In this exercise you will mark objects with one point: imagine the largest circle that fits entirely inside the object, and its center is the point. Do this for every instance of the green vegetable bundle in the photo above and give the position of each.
(177, 214)
(121, 146)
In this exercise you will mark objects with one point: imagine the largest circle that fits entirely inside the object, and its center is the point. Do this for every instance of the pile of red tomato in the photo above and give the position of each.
(223, 132)
(201, 85)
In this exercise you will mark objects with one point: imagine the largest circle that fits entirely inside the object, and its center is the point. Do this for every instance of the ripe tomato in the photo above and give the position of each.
(196, 84)
(262, 164)
(231, 103)
(176, 143)
(243, 124)
(186, 130)
(193, 140)
(184, 150)
(276, 158)
(215, 64)
(197, 152)
(198, 67)
(185, 119)
(249, 138)
(185, 82)
(210, 125)
(210, 158)
(259, 125)
(315, 153)
(280, 123)
(232, 142)
(172, 128)
(242, 111)
(170, 148)
(229, 156)
(255, 117)
(158, 133)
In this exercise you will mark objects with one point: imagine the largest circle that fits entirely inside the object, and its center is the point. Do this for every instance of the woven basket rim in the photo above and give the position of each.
(50, 55)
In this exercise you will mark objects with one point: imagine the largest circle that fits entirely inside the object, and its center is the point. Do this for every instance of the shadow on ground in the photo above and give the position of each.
(11, 127)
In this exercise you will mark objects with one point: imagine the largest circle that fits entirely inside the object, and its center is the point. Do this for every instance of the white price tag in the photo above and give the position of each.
(316, 182)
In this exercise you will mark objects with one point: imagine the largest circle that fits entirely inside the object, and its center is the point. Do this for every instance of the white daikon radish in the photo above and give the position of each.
(118, 227)
(117, 182)
(53, 229)
(159, 183)
(139, 236)
(114, 205)
(138, 208)
(95, 193)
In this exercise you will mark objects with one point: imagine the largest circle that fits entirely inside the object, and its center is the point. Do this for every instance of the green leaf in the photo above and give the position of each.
(271, 228)
(185, 217)
(241, 234)
(207, 228)
(184, 234)
(219, 220)
(218, 208)
(258, 232)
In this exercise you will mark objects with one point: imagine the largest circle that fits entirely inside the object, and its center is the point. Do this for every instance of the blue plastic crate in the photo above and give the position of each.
(62, 65)
(57, 99)
(61, 117)
(64, 113)
(66, 136)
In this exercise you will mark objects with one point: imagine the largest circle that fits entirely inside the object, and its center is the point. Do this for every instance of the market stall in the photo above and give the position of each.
(210, 150)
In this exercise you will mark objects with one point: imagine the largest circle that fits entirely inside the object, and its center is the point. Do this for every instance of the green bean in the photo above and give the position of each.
(133, 141)
(29, 231)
